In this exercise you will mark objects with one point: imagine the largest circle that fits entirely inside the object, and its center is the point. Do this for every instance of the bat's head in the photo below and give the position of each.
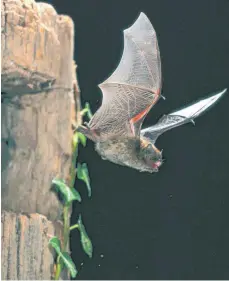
(152, 157)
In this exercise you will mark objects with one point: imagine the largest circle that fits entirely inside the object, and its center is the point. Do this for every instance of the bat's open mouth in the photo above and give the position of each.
(157, 164)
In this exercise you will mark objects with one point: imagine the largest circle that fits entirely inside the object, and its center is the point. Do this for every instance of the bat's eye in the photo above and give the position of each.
(151, 154)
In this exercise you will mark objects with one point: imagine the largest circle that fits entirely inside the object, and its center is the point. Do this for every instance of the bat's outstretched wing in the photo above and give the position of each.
(180, 117)
(134, 87)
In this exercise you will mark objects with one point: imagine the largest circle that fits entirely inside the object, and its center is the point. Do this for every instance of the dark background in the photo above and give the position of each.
(173, 224)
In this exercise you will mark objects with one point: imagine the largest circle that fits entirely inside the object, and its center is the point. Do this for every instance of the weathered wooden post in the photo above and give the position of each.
(37, 112)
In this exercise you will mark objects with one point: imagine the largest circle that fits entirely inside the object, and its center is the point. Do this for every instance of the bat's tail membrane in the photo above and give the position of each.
(180, 117)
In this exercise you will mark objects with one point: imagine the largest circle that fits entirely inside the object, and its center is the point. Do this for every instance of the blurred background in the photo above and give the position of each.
(173, 224)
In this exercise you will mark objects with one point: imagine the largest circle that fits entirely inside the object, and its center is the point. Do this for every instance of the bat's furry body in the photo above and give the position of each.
(128, 95)
(131, 152)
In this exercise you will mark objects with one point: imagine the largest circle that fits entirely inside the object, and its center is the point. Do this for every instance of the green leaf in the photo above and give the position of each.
(79, 171)
(84, 238)
(55, 243)
(78, 138)
(89, 113)
(69, 194)
(82, 174)
(69, 264)
(75, 140)
(75, 195)
(82, 138)
(87, 110)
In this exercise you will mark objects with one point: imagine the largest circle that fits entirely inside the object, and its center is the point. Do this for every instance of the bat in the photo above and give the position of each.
(128, 95)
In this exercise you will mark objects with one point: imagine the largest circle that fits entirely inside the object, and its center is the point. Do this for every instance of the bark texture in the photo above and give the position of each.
(38, 108)
(25, 253)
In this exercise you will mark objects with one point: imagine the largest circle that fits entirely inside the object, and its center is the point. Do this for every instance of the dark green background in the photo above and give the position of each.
(173, 224)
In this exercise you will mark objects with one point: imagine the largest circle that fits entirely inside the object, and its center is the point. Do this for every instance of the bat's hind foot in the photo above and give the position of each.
(86, 124)
(87, 132)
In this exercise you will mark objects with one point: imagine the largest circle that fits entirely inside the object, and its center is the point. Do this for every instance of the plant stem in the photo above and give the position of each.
(66, 227)
(58, 268)
(73, 227)
(67, 207)
(66, 210)
(84, 111)
(73, 167)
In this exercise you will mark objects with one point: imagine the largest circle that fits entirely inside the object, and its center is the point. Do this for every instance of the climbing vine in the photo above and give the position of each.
(68, 194)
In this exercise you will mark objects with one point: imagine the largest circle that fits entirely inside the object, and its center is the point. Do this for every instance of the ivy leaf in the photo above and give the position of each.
(89, 113)
(79, 138)
(82, 138)
(84, 238)
(55, 243)
(69, 264)
(82, 174)
(69, 194)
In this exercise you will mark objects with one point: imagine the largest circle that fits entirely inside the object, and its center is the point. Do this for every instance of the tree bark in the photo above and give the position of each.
(38, 108)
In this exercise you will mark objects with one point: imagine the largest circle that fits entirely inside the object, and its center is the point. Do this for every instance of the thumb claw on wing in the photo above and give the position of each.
(193, 122)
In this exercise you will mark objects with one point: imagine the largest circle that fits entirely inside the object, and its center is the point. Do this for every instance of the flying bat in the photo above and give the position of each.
(128, 95)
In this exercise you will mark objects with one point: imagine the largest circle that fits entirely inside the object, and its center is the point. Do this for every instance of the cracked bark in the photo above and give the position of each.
(38, 108)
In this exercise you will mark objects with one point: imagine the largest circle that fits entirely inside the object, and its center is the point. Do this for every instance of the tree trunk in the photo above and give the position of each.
(38, 108)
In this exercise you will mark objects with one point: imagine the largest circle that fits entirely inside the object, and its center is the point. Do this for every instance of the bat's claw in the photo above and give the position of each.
(86, 124)
(193, 122)
(74, 127)
(163, 97)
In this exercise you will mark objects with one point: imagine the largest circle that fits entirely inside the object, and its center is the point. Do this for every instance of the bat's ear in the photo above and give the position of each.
(87, 132)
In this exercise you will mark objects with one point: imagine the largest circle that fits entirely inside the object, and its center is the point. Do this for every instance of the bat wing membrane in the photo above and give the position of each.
(134, 87)
(180, 117)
